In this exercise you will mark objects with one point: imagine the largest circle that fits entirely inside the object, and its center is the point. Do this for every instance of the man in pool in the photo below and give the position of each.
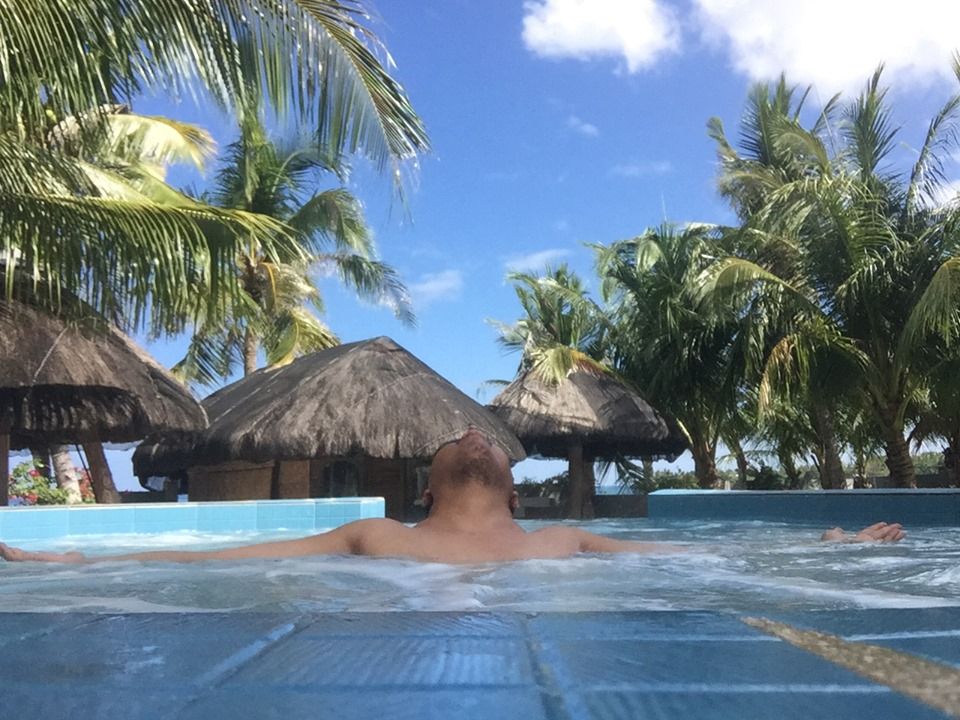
(471, 500)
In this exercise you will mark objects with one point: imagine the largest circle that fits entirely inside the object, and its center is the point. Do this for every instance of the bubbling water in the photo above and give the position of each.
(739, 567)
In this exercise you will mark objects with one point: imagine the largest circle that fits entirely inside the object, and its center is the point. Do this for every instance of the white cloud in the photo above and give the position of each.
(582, 127)
(444, 285)
(535, 261)
(636, 32)
(641, 169)
(835, 45)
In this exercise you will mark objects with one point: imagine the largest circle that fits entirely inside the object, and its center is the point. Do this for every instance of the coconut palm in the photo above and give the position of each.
(132, 256)
(868, 259)
(262, 177)
(679, 352)
(561, 330)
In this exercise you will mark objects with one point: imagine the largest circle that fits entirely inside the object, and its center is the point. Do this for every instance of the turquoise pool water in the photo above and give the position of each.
(731, 566)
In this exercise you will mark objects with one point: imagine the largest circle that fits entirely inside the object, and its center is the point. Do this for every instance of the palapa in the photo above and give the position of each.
(588, 415)
(81, 381)
(371, 398)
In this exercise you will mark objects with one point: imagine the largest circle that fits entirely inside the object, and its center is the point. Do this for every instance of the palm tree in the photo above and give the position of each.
(562, 330)
(133, 257)
(678, 351)
(868, 260)
(260, 177)
(776, 150)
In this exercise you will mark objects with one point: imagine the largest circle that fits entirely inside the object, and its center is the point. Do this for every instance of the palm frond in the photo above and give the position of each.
(69, 56)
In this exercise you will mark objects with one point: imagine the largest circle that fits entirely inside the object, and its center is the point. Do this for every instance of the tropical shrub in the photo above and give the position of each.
(29, 486)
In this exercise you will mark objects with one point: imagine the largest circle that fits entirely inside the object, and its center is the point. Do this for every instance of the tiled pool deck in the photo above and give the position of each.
(463, 665)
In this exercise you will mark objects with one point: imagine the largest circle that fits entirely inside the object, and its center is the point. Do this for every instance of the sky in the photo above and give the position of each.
(559, 123)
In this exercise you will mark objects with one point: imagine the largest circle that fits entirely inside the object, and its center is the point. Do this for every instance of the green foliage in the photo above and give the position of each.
(81, 190)
(278, 295)
(766, 478)
(29, 486)
(561, 330)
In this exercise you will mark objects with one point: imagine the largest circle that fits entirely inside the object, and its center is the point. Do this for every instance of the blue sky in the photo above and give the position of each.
(557, 123)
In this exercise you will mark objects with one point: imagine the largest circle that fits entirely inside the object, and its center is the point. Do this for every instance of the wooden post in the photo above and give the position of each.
(275, 481)
(4, 469)
(575, 475)
(103, 488)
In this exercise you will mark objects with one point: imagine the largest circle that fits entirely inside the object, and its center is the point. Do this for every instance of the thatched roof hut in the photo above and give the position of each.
(81, 381)
(369, 399)
(589, 415)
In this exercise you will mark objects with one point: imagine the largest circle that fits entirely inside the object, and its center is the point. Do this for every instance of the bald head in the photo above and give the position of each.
(471, 460)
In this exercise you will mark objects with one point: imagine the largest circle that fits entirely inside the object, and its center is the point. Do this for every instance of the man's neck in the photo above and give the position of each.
(471, 513)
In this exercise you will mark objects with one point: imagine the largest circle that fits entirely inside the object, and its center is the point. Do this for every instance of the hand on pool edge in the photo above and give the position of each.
(878, 532)
(12, 554)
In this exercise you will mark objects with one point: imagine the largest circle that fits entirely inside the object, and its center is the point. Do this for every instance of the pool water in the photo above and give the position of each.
(731, 566)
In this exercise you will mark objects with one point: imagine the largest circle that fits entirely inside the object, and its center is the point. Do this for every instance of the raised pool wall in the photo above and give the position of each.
(934, 507)
(40, 523)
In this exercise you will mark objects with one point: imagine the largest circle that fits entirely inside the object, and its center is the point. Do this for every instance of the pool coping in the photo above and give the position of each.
(55, 521)
(827, 508)
(472, 666)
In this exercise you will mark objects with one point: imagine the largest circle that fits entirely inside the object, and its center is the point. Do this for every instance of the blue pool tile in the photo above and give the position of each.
(285, 515)
(100, 520)
(415, 624)
(783, 704)
(389, 662)
(164, 518)
(639, 626)
(371, 704)
(861, 626)
(620, 663)
(223, 517)
(34, 524)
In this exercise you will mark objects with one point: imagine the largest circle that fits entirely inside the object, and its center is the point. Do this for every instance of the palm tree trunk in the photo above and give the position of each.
(249, 352)
(951, 459)
(831, 466)
(898, 460)
(4, 468)
(705, 464)
(65, 473)
(790, 470)
(741, 457)
(103, 488)
(575, 491)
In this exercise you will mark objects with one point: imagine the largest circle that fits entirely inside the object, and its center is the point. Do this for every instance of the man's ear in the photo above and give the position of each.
(514, 501)
(426, 500)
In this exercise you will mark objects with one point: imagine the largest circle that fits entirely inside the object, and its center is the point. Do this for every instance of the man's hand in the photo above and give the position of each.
(12, 554)
(879, 532)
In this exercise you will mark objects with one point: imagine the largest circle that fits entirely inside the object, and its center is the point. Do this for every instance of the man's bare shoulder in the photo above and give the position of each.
(588, 542)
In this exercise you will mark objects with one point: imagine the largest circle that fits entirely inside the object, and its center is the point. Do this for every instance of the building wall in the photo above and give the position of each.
(393, 480)
(231, 481)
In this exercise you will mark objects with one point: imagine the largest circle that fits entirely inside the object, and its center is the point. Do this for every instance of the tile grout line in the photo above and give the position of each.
(932, 683)
(556, 703)
(234, 662)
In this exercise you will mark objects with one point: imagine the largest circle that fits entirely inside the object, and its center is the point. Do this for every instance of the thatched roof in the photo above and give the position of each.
(369, 398)
(75, 381)
(595, 408)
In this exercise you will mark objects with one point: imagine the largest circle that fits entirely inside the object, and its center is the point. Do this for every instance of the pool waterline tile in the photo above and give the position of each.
(18, 524)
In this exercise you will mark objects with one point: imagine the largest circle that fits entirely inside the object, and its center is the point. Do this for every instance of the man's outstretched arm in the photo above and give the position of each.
(878, 532)
(341, 541)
